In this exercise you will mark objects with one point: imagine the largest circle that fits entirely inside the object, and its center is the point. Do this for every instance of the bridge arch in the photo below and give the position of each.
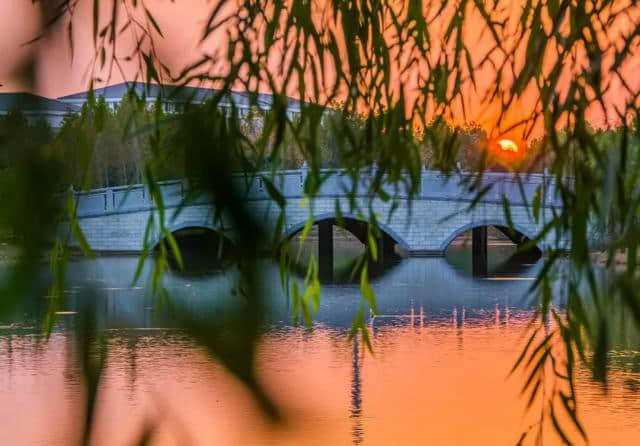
(190, 225)
(347, 218)
(203, 247)
(499, 223)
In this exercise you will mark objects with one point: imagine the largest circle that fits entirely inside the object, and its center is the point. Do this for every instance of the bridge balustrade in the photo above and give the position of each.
(433, 186)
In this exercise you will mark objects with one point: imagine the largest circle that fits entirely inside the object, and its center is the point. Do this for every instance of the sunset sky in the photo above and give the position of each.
(57, 74)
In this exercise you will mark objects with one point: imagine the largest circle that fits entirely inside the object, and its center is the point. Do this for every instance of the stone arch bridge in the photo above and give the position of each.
(115, 219)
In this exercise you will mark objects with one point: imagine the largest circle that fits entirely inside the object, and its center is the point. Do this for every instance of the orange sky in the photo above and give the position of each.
(57, 73)
(182, 23)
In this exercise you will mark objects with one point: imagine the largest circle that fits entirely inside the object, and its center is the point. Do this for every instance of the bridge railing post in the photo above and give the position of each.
(424, 176)
(304, 172)
(111, 199)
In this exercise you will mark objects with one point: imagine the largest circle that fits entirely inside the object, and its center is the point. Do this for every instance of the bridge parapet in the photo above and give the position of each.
(290, 183)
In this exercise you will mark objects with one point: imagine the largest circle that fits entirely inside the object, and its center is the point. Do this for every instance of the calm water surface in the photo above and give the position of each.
(443, 345)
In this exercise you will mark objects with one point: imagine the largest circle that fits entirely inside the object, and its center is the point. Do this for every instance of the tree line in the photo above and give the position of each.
(101, 147)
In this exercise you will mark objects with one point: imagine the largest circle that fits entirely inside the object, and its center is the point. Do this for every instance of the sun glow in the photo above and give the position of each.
(508, 145)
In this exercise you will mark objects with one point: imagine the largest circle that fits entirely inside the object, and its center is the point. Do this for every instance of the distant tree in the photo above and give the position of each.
(445, 147)
(76, 143)
(103, 148)
(19, 136)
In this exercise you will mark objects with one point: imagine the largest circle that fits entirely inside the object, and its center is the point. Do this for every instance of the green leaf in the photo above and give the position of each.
(78, 234)
(274, 193)
(506, 207)
(373, 244)
(367, 291)
(175, 249)
(535, 203)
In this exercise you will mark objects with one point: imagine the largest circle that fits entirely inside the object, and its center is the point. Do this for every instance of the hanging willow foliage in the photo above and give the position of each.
(388, 73)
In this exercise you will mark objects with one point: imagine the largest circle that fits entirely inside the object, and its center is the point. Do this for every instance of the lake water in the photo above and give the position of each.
(443, 344)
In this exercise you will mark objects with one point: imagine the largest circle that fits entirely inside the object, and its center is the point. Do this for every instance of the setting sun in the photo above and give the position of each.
(508, 145)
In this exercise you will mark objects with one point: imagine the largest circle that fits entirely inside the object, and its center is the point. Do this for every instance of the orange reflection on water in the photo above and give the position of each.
(436, 382)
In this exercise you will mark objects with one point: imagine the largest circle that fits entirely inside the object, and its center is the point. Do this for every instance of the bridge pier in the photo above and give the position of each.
(386, 252)
(479, 255)
(325, 250)
(386, 248)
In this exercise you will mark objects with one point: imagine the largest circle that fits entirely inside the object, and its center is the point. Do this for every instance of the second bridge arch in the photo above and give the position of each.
(388, 245)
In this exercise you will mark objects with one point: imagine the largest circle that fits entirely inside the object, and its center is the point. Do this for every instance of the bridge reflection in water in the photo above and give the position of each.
(430, 285)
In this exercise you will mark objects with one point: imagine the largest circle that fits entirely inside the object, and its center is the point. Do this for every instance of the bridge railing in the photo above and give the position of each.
(434, 185)
(517, 190)
(127, 198)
